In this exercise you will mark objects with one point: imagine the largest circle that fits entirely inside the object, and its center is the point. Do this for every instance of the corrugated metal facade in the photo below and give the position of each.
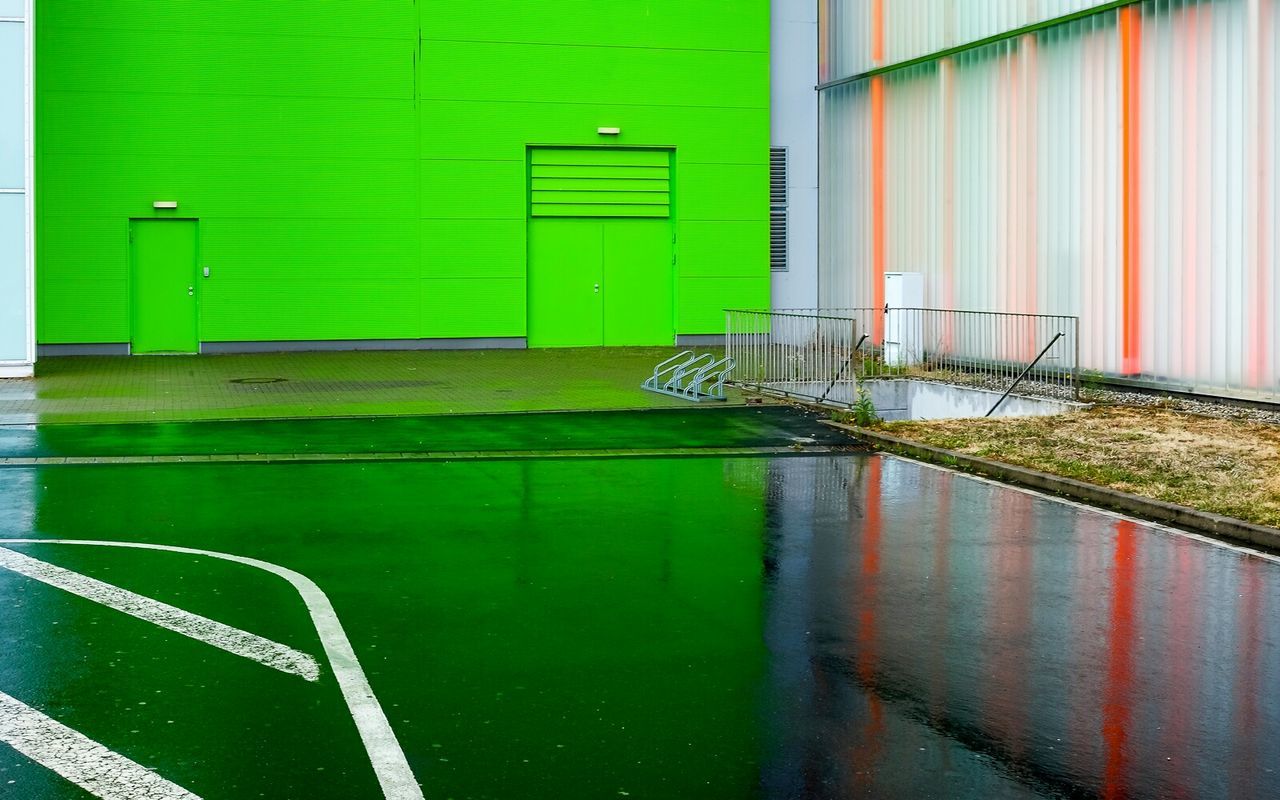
(1120, 167)
(865, 34)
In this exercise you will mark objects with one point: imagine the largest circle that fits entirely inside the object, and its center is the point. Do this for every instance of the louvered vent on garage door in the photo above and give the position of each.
(600, 182)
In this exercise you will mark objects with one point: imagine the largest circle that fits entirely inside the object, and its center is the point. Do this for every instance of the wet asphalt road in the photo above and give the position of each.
(775, 627)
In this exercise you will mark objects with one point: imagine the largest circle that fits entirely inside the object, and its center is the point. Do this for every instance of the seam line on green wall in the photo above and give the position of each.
(597, 103)
(248, 33)
(590, 45)
(974, 45)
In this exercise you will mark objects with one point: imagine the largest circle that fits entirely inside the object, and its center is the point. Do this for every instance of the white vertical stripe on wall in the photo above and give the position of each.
(844, 195)
(1195, 231)
(1005, 182)
(14, 130)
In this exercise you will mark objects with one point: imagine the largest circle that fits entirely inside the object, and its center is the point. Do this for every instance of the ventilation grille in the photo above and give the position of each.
(599, 182)
(778, 209)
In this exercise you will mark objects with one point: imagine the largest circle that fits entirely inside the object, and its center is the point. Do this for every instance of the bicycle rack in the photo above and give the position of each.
(684, 375)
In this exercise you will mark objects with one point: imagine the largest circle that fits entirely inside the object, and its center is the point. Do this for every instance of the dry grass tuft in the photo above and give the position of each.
(1217, 465)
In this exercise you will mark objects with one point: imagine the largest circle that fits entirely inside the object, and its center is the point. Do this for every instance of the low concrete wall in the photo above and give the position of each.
(910, 398)
(905, 398)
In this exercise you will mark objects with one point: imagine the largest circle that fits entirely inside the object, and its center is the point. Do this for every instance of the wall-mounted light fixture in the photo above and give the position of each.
(165, 204)
(608, 131)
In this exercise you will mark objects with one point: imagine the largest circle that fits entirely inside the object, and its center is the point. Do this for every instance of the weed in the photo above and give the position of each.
(864, 411)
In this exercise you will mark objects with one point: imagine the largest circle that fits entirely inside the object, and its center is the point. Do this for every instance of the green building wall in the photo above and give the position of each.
(358, 169)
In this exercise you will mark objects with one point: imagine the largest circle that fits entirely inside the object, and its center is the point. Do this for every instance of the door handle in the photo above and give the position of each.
(191, 291)
(597, 288)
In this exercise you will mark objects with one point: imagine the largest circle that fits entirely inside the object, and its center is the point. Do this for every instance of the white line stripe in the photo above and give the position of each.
(1106, 512)
(99, 771)
(380, 741)
(203, 629)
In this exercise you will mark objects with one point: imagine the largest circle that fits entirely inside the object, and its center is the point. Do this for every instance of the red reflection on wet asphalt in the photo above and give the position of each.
(940, 580)
(1249, 636)
(867, 745)
(1116, 708)
(1009, 612)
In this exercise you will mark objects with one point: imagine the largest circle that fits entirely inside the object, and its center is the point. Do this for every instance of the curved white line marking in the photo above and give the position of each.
(211, 632)
(100, 772)
(380, 741)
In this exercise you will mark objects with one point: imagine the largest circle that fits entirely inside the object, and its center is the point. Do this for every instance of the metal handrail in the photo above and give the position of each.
(1029, 367)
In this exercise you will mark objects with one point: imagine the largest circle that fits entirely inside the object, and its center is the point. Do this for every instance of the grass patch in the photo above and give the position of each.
(1222, 466)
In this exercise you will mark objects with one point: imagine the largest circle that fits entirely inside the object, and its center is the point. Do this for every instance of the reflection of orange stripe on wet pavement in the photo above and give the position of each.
(1118, 694)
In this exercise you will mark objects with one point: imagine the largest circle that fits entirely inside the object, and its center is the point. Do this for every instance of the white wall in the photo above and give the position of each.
(794, 125)
(17, 335)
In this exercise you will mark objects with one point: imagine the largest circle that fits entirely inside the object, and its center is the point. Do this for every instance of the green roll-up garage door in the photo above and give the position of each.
(600, 182)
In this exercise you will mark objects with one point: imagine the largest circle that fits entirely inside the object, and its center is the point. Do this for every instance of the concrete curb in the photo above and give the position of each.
(482, 455)
(1155, 510)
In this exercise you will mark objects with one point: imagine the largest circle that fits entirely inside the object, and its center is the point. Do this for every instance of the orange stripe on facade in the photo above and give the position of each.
(1130, 66)
(877, 202)
(877, 169)
(877, 32)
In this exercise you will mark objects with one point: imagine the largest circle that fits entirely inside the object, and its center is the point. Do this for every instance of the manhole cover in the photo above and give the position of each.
(259, 380)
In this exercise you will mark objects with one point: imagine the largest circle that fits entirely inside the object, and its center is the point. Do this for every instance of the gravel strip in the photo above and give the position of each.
(1207, 408)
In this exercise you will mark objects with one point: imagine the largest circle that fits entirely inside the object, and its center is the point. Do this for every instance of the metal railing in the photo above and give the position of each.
(822, 354)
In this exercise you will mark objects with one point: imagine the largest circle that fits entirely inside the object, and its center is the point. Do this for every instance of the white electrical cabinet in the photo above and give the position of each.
(903, 318)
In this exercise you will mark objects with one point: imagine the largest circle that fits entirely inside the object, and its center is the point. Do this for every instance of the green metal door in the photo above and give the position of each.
(600, 247)
(637, 282)
(163, 274)
(565, 308)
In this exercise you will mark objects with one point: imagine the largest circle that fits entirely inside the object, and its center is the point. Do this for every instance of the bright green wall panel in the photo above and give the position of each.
(704, 24)
(263, 186)
(242, 249)
(723, 249)
(570, 73)
(75, 247)
(473, 307)
(467, 129)
(361, 19)
(473, 248)
(116, 60)
(271, 310)
(724, 192)
(73, 310)
(701, 301)
(473, 189)
(183, 124)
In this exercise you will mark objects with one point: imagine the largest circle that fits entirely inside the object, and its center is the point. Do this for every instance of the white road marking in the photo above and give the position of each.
(99, 771)
(1106, 512)
(203, 629)
(385, 753)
